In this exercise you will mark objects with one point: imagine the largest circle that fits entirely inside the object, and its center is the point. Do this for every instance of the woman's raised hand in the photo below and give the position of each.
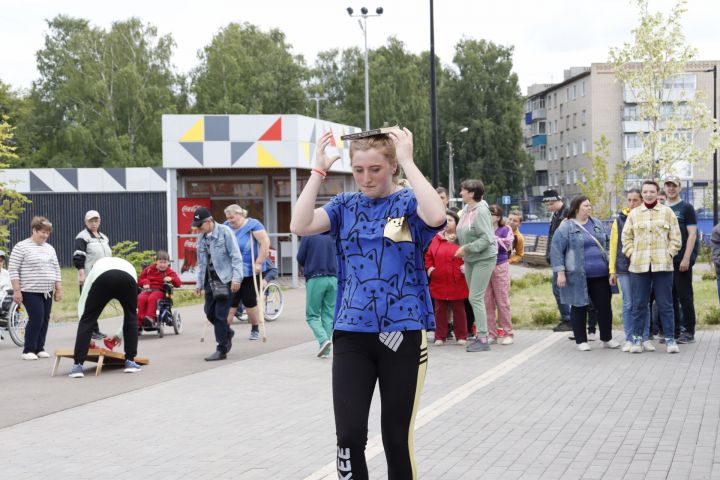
(403, 140)
(322, 160)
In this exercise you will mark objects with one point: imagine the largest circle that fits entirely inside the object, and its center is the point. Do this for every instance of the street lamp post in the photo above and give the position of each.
(451, 166)
(317, 98)
(715, 155)
(363, 26)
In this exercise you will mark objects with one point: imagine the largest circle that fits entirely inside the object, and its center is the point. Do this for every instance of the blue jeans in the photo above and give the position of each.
(564, 309)
(661, 284)
(217, 313)
(627, 318)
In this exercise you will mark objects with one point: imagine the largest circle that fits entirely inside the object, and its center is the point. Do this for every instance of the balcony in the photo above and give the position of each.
(538, 140)
(538, 114)
(630, 126)
(629, 153)
(668, 94)
(540, 164)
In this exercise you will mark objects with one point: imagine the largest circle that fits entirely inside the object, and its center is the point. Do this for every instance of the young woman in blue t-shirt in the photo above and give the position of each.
(383, 307)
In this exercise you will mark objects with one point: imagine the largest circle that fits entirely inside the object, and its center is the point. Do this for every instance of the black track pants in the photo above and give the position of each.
(111, 285)
(397, 361)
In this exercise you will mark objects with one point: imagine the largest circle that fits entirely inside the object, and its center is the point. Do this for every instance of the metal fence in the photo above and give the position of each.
(137, 216)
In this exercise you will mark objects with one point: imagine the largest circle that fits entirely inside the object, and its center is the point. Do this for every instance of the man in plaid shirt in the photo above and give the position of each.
(650, 239)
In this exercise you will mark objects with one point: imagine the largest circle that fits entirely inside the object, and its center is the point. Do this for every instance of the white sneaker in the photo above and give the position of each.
(626, 346)
(29, 356)
(583, 347)
(492, 341)
(591, 337)
(672, 347)
(439, 342)
(462, 342)
(43, 354)
(508, 341)
(324, 348)
(648, 346)
(611, 344)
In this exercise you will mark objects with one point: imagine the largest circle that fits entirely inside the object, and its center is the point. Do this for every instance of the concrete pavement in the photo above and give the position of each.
(538, 409)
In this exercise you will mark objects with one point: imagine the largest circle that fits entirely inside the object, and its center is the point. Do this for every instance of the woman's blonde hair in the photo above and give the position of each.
(381, 143)
(236, 210)
(41, 223)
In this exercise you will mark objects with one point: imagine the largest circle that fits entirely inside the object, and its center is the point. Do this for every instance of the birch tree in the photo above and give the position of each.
(670, 108)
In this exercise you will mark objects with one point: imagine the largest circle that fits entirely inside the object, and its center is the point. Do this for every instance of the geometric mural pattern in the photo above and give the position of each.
(248, 141)
(67, 180)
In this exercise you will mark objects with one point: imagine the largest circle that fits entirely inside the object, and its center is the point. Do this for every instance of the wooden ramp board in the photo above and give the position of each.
(101, 356)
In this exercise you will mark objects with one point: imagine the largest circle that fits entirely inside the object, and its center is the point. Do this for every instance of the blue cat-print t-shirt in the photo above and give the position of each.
(382, 284)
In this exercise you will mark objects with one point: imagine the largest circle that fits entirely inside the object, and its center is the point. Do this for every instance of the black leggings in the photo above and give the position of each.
(111, 285)
(600, 296)
(397, 360)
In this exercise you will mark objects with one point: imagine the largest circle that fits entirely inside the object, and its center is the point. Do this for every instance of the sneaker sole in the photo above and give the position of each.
(324, 350)
(75, 375)
(132, 370)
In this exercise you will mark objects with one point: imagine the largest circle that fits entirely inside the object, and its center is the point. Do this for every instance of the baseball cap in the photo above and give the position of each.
(3, 254)
(674, 180)
(551, 195)
(201, 214)
(92, 214)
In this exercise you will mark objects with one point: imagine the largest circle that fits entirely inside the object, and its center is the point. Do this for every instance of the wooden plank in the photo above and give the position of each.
(110, 357)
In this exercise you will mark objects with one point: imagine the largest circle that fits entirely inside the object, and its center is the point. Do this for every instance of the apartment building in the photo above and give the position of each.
(563, 120)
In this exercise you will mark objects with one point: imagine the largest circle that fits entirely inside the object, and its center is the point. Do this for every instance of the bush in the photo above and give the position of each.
(545, 316)
(126, 250)
(709, 275)
(712, 316)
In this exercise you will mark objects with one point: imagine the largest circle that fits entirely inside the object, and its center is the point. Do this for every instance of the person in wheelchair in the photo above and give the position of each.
(153, 280)
(5, 285)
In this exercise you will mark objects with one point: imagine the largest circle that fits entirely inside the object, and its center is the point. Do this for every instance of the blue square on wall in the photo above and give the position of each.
(217, 128)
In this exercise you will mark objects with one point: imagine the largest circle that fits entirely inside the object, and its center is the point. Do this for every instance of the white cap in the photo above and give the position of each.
(92, 214)
(2, 253)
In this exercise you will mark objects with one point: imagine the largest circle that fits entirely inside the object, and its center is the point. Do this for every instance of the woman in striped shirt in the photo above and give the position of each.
(35, 275)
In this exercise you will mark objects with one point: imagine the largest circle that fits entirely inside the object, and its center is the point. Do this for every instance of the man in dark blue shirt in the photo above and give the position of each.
(683, 297)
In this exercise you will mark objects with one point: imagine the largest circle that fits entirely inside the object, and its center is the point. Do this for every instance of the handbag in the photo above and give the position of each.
(602, 249)
(220, 290)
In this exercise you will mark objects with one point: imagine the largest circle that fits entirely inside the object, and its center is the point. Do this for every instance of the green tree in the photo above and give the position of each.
(595, 187)
(247, 71)
(482, 93)
(12, 203)
(100, 95)
(652, 68)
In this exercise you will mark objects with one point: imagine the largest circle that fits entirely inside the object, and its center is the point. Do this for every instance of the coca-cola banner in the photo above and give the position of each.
(187, 246)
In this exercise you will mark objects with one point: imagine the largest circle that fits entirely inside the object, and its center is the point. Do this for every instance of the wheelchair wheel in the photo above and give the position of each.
(161, 328)
(177, 323)
(17, 320)
(273, 298)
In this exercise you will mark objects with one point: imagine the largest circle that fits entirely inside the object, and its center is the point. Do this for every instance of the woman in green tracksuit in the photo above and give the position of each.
(479, 251)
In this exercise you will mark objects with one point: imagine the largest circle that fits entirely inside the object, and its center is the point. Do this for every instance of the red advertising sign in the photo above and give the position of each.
(187, 246)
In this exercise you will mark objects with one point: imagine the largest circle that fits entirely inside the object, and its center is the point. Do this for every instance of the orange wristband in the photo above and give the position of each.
(320, 172)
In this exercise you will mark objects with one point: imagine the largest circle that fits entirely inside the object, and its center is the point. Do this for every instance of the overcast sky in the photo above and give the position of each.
(548, 36)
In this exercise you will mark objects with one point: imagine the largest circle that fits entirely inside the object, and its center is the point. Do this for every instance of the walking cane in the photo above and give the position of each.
(260, 301)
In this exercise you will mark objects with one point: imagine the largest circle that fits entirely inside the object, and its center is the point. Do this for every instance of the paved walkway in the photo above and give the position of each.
(536, 409)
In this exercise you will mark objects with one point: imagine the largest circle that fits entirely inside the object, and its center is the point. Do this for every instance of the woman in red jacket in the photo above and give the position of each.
(447, 282)
(151, 280)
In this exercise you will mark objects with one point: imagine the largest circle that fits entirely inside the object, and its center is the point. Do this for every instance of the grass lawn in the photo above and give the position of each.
(66, 309)
(532, 304)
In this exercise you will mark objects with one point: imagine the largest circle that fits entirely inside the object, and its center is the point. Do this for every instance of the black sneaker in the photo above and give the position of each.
(686, 338)
(563, 327)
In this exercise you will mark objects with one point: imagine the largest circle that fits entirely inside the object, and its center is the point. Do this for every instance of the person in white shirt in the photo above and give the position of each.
(5, 284)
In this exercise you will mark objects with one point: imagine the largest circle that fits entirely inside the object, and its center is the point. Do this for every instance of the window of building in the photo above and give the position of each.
(574, 176)
(632, 140)
(567, 94)
(555, 100)
(567, 122)
(574, 92)
(582, 117)
(583, 146)
(542, 154)
(684, 81)
(574, 120)
(583, 88)
(567, 177)
(561, 110)
(583, 178)
(567, 149)
(630, 113)
(556, 131)
(574, 149)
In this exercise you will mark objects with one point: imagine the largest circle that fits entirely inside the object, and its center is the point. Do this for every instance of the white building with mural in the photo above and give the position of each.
(260, 162)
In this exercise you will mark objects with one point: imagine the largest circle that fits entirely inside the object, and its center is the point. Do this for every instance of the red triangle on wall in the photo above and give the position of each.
(274, 132)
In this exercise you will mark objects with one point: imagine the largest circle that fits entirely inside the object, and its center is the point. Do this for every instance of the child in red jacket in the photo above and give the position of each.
(448, 287)
(151, 281)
